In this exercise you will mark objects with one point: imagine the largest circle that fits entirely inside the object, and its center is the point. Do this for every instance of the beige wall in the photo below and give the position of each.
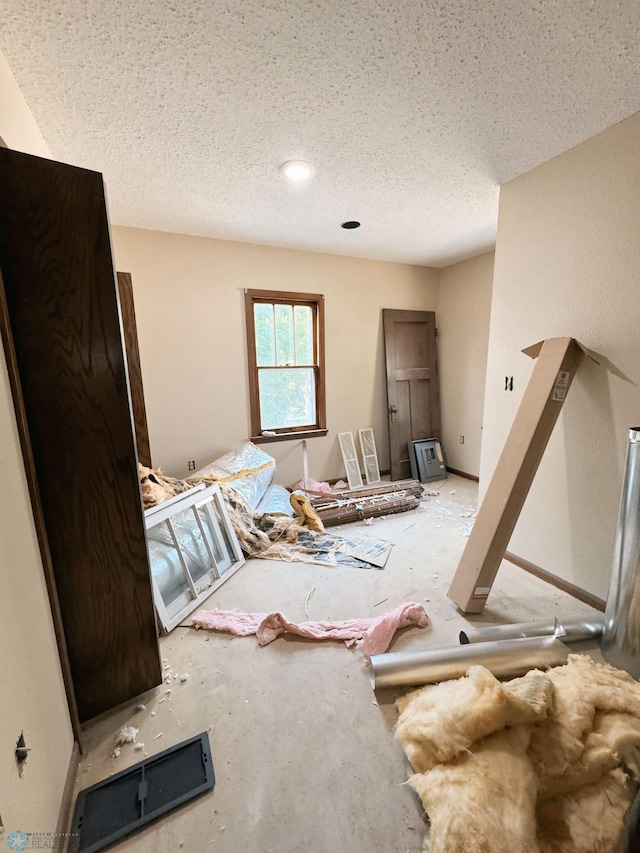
(464, 308)
(567, 263)
(17, 125)
(32, 699)
(189, 295)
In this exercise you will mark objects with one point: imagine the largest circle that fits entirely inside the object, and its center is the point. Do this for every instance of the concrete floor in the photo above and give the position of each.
(303, 750)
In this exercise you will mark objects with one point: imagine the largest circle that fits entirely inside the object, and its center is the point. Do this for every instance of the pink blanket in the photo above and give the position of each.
(372, 636)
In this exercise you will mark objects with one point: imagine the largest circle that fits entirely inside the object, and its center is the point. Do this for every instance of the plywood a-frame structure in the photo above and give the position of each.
(556, 362)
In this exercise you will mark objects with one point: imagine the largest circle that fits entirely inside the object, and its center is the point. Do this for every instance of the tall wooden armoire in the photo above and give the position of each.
(63, 339)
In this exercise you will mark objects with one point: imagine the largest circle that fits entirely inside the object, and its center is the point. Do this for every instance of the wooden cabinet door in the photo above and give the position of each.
(63, 324)
(413, 393)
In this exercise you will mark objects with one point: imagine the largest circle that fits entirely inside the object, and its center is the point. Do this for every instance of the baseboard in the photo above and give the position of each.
(559, 583)
(65, 814)
(463, 474)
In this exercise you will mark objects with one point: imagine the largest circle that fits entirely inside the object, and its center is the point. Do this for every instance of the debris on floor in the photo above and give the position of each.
(366, 549)
(543, 763)
(368, 502)
(370, 635)
(313, 487)
(127, 734)
(307, 600)
(271, 537)
(305, 512)
(261, 517)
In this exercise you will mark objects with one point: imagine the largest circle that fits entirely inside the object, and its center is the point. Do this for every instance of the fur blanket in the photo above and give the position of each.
(547, 763)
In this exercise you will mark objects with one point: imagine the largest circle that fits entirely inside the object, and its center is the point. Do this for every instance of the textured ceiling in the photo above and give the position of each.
(412, 112)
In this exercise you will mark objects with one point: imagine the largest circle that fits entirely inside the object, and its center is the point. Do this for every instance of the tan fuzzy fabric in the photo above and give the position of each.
(438, 722)
(546, 763)
(581, 688)
(588, 820)
(156, 487)
(305, 512)
(613, 741)
(495, 784)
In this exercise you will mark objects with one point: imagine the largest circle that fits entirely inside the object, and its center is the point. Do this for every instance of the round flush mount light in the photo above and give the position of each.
(297, 170)
(350, 225)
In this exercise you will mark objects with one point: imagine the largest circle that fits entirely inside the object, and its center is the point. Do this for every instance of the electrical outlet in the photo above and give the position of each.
(191, 465)
(461, 439)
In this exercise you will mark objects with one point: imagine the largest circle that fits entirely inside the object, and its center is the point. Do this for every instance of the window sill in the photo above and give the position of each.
(288, 436)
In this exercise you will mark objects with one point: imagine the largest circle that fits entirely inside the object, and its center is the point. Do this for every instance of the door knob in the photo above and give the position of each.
(393, 410)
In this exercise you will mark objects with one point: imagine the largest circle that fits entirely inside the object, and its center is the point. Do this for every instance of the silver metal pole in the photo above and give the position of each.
(567, 630)
(620, 642)
(504, 658)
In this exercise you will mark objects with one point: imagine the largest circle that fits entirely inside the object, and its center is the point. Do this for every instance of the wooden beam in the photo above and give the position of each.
(559, 583)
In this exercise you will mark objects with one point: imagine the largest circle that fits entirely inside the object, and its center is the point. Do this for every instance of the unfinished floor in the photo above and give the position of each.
(303, 751)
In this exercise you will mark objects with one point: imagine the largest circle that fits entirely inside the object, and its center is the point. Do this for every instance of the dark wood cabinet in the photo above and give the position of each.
(64, 345)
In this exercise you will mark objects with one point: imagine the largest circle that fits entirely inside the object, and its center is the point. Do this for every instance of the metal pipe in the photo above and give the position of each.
(567, 630)
(504, 658)
(620, 642)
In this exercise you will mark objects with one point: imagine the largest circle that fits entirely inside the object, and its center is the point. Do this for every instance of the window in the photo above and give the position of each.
(285, 341)
(192, 549)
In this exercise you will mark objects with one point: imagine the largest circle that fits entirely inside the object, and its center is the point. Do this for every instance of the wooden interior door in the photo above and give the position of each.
(413, 392)
(68, 372)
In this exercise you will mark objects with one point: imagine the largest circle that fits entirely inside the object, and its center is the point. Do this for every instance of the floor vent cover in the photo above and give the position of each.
(127, 802)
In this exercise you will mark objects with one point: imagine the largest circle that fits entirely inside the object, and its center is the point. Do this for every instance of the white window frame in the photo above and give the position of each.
(201, 497)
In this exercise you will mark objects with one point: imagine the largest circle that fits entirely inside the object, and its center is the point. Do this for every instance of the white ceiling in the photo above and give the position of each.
(412, 112)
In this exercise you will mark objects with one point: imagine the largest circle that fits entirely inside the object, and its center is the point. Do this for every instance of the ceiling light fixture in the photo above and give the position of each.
(350, 225)
(297, 170)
